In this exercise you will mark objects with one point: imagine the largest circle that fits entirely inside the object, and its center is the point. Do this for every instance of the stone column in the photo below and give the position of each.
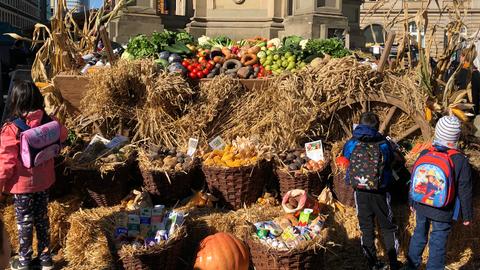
(139, 18)
(144, 7)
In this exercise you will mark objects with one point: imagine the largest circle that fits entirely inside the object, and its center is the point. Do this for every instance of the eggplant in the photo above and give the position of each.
(214, 53)
(174, 58)
(164, 55)
(177, 68)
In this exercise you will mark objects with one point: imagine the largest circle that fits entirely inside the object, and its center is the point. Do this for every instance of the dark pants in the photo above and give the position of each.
(437, 244)
(32, 210)
(369, 206)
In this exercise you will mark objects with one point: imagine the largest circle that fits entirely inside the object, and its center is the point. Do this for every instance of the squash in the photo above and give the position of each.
(222, 251)
(41, 85)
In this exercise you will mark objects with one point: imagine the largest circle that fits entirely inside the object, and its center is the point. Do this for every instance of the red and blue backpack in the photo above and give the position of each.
(433, 178)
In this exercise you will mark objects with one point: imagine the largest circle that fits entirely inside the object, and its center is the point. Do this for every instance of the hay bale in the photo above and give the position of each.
(58, 211)
(87, 246)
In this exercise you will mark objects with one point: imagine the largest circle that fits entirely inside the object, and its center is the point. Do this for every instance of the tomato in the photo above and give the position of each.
(192, 75)
(199, 74)
(205, 72)
(185, 63)
(202, 60)
(209, 65)
(195, 70)
(211, 62)
(190, 68)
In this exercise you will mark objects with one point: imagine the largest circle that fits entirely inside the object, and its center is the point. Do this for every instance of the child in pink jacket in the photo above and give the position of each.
(28, 186)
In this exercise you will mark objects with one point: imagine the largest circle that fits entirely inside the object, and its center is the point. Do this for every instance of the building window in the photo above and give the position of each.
(463, 35)
(336, 33)
(289, 7)
(374, 34)
(415, 32)
(320, 3)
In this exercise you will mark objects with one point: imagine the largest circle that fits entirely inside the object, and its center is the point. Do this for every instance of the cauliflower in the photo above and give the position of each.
(203, 40)
(275, 42)
(303, 43)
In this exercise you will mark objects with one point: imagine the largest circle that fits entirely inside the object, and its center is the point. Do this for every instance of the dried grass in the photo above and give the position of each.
(208, 113)
(58, 212)
(90, 242)
(87, 245)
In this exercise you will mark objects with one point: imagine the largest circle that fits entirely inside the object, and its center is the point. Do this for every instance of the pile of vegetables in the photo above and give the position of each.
(207, 57)
(242, 152)
(170, 159)
(297, 160)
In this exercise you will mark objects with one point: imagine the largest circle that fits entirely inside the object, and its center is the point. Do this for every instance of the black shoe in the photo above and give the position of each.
(396, 266)
(42, 265)
(379, 266)
(16, 265)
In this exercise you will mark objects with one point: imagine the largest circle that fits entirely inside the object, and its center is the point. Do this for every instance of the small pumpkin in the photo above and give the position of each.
(222, 251)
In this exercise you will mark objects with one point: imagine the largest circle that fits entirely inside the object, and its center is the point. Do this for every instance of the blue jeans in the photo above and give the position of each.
(437, 244)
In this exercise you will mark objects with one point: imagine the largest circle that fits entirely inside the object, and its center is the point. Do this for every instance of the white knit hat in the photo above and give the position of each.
(447, 131)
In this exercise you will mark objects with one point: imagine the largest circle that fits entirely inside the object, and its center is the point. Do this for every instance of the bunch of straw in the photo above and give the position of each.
(209, 112)
(87, 245)
(58, 213)
(112, 95)
(312, 94)
(166, 101)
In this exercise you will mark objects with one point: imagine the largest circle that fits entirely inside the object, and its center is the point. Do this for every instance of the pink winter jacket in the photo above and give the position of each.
(14, 177)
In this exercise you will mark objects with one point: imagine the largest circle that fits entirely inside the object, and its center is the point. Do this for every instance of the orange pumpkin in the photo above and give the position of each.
(222, 251)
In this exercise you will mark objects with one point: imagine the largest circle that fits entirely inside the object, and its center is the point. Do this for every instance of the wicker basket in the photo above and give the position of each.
(265, 258)
(313, 182)
(342, 191)
(168, 189)
(168, 258)
(237, 186)
(105, 190)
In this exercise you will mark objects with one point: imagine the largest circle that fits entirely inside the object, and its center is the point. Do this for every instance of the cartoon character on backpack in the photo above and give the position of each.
(432, 182)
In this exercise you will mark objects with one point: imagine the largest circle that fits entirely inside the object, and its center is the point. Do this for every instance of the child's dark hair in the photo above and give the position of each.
(25, 97)
(370, 119)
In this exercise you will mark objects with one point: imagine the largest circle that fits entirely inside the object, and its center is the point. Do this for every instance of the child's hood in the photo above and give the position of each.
(366, 133)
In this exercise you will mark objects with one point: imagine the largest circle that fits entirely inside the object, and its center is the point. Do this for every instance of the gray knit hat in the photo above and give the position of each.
(447, 131)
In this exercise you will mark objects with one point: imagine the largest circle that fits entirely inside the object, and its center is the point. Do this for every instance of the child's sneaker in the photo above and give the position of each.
(16, 265)
(43, 265)
(380, 266)
(47, 265)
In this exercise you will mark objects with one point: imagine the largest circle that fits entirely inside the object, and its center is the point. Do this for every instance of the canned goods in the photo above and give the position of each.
(262, 233)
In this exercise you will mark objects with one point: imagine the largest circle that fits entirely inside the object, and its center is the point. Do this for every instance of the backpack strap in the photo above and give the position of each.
(20, 124)
(46, 118)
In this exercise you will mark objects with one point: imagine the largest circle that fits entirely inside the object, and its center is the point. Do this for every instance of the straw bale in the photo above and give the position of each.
(87, 245)
(58, 212)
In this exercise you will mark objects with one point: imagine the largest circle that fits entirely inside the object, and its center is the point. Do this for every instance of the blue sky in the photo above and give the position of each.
(95, 3)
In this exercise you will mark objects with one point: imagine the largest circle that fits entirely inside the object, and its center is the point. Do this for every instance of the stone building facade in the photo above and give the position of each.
(244, 18)
(374, 25)
(23, 13)
(277, 18)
